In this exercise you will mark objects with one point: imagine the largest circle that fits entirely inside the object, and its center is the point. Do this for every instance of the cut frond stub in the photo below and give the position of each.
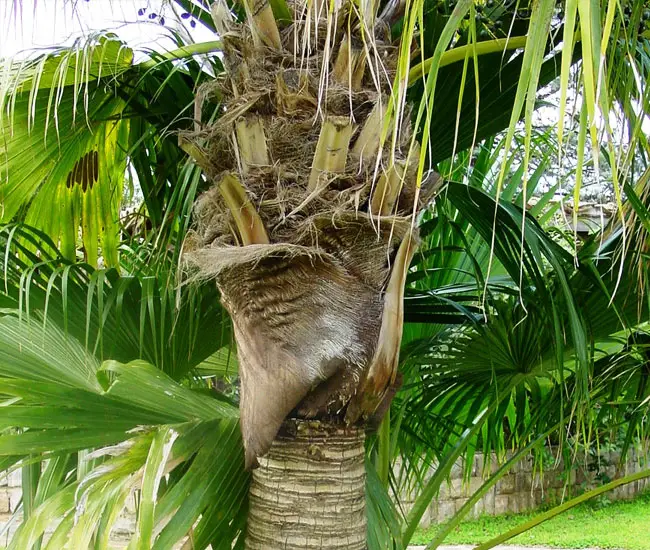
(387, 190)
(331, 151)
(263, 24)
(251, 142)
(350, 65)
(249, 224)
(383, 368)
(368, 143)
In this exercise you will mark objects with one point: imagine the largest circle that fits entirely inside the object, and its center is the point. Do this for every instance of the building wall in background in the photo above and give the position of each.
(520, 490)
(523, 489)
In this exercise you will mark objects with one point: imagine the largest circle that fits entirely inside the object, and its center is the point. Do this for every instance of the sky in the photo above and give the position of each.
(24, 28)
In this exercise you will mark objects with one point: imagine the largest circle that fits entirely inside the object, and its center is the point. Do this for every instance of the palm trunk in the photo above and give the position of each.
(309, 226)
(309, 490)
(309, 233)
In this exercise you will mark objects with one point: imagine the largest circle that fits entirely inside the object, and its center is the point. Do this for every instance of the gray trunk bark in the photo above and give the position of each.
(309, 490)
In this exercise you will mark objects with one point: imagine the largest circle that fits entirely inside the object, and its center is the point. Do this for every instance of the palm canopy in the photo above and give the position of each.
(474, 71)
(112, 358)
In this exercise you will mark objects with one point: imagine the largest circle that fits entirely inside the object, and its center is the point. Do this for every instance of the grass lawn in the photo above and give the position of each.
(623, 524)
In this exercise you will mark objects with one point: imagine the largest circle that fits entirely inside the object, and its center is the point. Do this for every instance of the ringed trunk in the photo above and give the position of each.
(308, 492)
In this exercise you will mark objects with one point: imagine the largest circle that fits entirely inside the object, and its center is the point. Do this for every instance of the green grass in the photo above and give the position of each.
(623, 524)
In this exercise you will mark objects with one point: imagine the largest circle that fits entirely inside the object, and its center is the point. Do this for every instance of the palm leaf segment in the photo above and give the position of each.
(139, 316)
(80, 122)
(64, 145)
(70, 401)
(59, 321)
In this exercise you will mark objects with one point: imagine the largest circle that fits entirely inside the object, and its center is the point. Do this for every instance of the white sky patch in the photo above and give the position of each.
(25, 29)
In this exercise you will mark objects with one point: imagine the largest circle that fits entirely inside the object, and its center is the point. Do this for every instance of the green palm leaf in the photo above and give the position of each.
(64, 170)
(99, 55)
(60, 399)
(123, 317)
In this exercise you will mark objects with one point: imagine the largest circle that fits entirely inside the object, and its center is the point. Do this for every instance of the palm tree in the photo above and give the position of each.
(308, 180)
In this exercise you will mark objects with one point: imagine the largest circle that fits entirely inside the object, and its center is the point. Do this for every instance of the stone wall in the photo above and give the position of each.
(10, 500)
(10, 496)
(523, 489)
